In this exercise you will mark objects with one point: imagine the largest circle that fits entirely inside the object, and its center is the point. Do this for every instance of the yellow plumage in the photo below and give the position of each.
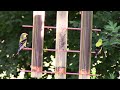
(22, 41)
(98, 48)
(99, 43)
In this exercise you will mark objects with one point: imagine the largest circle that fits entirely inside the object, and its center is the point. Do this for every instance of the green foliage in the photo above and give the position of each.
(93, 71)
(10, 30)
(108, 60)
(111, 47)
(112, 75)
(106, 65)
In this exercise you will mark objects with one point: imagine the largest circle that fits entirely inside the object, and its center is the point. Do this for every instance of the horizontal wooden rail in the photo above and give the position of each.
(69, 73)
(52, 27)
(56, 50)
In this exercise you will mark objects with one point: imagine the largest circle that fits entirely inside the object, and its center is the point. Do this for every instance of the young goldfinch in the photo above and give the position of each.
(98, 48)
(22, 41)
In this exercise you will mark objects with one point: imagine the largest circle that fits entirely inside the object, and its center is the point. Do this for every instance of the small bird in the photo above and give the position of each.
(98, 48)
(22, 42)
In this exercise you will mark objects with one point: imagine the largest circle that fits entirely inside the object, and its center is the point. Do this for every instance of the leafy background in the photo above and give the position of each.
(106, 65)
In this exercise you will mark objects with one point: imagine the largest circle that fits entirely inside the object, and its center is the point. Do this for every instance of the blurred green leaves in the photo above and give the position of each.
(11, 27)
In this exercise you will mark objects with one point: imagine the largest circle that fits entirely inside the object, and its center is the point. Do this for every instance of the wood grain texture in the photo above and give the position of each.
(37, 43)
(85, 44)
(61, 44)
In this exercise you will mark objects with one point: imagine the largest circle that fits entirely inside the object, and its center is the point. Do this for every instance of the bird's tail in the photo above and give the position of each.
(21, 47)
(18, 52)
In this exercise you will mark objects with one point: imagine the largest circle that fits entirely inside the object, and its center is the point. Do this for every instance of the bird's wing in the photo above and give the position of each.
(22, 44)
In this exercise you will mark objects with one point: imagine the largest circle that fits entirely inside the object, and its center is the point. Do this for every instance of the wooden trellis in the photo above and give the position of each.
(61, 44)
(37, 44)
(85, 44)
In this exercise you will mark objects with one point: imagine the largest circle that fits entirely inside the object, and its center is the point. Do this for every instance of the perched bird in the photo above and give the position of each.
(98, 48)
(22, 41)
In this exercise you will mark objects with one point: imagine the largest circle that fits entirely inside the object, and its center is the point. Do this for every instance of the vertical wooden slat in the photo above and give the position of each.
(37, 43)
(61, 44)
(85, 44)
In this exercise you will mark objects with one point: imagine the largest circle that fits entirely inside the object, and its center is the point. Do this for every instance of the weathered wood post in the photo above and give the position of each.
(85, 44)
(61, 44)
(37, 43)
